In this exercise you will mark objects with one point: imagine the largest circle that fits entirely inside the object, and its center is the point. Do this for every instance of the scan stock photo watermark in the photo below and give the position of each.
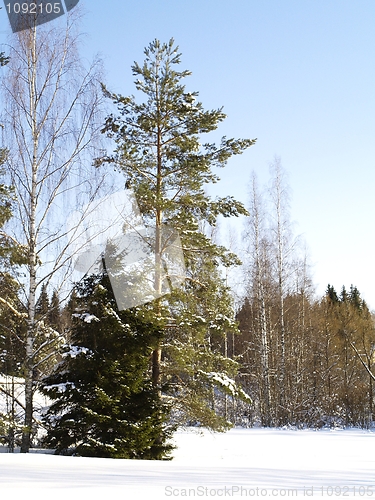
(112, 233)
(28, 14)
(353, 491)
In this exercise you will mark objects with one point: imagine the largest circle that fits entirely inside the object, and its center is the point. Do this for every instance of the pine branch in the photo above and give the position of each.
(17, 313)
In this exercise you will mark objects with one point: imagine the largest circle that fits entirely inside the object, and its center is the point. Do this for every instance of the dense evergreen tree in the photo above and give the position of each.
(331, 294)
(12, 328)
(12, 314)
(104, 403)
(42, 306)
(54, 316)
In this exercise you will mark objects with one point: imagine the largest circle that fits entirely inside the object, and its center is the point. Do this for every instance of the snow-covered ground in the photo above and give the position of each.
(241, 463)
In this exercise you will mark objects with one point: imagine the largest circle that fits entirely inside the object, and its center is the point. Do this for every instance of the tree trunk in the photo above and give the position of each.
(29, 362)
(259, 249)
(281, 225)
(156, 355)
(51, 106)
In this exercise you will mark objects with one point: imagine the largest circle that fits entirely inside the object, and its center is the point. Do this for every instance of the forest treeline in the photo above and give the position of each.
(306, 360)
(328, 365)
(83, 376)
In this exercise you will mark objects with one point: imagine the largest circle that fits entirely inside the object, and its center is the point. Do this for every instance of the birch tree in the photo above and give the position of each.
(258, 268)
(51, 121)
(283, 245)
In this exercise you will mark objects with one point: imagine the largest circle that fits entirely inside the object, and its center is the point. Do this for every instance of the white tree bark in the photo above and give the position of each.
(258, 250)
(52, 119)
(283, 248)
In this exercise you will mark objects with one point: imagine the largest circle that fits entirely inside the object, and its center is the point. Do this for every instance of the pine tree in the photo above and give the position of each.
(54, 315)
(331, 294)
(42, 306)
(160, 150)
(12, 319)
(199, 374)
(12, 314)
(104, 404)
(3, 59)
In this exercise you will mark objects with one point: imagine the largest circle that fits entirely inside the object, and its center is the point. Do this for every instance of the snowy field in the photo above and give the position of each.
(241, 463)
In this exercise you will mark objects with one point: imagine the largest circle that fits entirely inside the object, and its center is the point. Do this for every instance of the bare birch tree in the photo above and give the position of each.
(257, 241)
(51, 120)
(283, 244)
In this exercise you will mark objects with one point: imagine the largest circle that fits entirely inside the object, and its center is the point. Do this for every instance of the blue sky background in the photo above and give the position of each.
(297, 74)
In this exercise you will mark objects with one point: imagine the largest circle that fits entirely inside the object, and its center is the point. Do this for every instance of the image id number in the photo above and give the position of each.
(34, 8)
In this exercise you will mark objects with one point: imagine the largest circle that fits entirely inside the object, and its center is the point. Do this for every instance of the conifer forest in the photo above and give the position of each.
(225, 338)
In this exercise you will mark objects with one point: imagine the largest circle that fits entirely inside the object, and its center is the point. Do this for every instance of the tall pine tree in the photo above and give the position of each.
(160, 149)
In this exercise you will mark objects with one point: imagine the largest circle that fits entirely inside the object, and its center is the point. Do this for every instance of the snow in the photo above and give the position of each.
(241, 463)
(6, 383)
(87, 318)
(223, 380)
(75, 351)
(61, 387)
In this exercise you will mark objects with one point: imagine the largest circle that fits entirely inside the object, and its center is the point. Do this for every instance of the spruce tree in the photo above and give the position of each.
(42, 306)
(3, 59)
(104, 404)
(54, 316)
(12, 314)
(49, 339)
(161, 150)
(12, 328)
(12, 318)
(331, 294)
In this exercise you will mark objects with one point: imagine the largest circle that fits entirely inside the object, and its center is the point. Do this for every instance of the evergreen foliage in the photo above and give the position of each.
(330, 360)
(160, 148)
(3, 59)
(12, 328)
(42, 306)
(54, 315)
(200, 375)
(124, 379)
(331, 294)
(104, 404)
(12, 319)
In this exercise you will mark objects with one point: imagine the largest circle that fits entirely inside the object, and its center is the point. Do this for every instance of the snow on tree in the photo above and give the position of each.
(104, 403)
(160, 148)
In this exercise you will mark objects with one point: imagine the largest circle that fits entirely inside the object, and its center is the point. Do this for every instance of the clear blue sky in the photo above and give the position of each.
(297, 74)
